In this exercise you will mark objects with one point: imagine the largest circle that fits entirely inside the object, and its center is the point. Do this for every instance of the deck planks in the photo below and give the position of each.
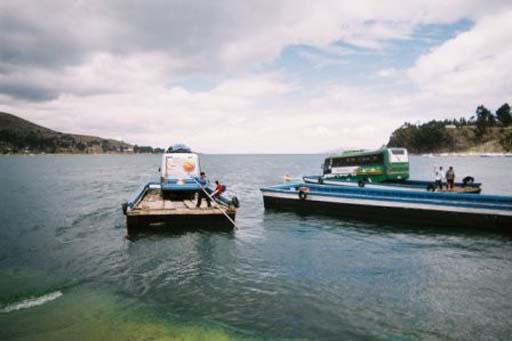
(189, 204)
(153, 204)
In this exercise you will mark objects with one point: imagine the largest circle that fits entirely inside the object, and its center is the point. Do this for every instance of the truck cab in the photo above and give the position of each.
(178, 171)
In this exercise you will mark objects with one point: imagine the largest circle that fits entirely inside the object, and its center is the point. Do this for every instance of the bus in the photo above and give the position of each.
(384, 164)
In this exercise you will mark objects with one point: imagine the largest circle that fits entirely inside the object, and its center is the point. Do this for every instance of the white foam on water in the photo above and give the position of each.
(31, 302)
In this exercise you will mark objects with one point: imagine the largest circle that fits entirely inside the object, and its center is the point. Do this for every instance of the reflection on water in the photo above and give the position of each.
(280, 275)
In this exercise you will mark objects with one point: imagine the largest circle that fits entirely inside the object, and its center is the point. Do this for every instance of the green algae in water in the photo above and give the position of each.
(87, 313)
(18, 284)
(93, 315)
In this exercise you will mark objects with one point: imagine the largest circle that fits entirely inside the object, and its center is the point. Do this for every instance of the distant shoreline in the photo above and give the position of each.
(44, 154)
(432, 155)
(21, 137)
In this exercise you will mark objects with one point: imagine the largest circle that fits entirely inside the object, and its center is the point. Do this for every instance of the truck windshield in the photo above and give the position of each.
(180, 166)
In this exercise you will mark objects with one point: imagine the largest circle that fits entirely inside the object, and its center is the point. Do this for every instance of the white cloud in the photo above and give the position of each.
(474, 65)
(239, 115)
(385, 73)
(107, 72)
(99, 73)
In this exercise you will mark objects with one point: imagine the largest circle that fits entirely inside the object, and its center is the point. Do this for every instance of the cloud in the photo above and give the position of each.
(111, 69)
(252, 113)
(389, 72)
(208, 35)
(101, 73)
(466, 71)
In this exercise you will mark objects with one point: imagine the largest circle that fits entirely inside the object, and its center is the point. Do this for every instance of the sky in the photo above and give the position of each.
(231, 76)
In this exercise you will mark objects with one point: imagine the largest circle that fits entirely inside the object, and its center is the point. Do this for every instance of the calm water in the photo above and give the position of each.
(67, 270)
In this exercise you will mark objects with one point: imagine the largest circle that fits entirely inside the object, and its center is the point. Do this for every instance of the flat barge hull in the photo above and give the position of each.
(374, 206)
(150, 211)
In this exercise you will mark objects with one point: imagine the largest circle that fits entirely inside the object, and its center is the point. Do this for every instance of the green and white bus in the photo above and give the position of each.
(385, 164)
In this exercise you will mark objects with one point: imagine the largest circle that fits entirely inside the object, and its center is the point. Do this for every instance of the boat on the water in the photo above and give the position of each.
(468, 186)
(171, 202)
(417, 207)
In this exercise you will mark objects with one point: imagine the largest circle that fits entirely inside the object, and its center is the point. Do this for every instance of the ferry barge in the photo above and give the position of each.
(379, 169)
(418, 207)
(170, 204)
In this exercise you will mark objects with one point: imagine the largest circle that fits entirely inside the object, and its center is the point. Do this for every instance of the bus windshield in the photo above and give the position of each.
(398, 155)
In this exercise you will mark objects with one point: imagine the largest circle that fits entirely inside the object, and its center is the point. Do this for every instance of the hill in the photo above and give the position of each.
(482, 132)
(18, 135)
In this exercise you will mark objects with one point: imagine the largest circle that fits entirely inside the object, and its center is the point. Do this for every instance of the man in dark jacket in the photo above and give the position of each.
(203, 182)
(450, 178)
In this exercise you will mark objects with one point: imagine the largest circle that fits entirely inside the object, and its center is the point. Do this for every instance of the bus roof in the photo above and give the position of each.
(358, 152)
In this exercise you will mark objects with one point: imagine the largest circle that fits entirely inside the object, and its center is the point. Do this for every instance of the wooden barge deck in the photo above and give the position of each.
(149, 210)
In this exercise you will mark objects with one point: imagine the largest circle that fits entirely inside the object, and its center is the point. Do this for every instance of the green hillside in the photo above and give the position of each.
(18, 135)
(482, 132)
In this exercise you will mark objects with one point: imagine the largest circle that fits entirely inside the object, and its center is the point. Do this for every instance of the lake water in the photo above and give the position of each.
(68, 272)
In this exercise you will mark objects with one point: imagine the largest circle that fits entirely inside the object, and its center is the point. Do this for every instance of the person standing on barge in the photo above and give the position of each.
(203, 182)
(443, 178)
(438, 178)
(450, 178)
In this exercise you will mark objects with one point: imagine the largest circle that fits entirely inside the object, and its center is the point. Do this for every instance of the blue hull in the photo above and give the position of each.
(421, 207)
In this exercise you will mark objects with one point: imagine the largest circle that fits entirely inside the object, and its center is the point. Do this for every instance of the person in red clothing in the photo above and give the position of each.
(219, 188)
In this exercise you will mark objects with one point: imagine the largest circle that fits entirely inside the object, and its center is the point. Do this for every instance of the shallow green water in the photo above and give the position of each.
(68, 272)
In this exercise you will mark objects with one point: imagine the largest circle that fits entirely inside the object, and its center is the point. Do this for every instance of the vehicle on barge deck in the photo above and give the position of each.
(171, 202)
(384, 164)
(379, 169)
(418, 207)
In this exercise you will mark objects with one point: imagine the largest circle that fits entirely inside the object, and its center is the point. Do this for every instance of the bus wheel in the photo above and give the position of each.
(360, 183)
(431, 188)
(302, 195)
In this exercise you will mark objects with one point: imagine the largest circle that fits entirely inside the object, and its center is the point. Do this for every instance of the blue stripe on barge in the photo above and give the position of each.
(419, 207)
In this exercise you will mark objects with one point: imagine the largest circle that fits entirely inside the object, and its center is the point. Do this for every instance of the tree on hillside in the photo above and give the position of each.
(462, 122)
(506, 141)
(432, 136)
(105, 146)
(403, 136)
(484, 120)
(427, 137)
(503, 115)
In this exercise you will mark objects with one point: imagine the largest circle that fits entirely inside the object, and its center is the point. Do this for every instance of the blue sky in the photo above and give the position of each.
(274, 76)
(344, 63)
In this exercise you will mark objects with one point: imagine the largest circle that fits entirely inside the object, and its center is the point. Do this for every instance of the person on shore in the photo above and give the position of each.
(450, 178)
(219, 188)
(443, 177)
(203, 182)
(438, 178)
